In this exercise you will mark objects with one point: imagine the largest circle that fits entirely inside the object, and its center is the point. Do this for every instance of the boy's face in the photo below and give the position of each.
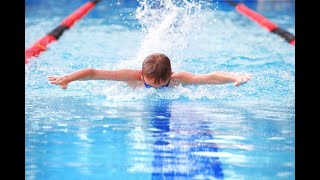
(149, 82)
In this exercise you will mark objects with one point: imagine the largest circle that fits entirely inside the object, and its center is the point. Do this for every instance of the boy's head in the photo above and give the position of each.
(156, 70)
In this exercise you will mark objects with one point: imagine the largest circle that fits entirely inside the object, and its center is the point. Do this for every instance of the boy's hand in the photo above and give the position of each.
(59, 80)
(242, 78)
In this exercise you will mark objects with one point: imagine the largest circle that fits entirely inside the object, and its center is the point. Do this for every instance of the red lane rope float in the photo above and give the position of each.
(41, 44)
(264, 22)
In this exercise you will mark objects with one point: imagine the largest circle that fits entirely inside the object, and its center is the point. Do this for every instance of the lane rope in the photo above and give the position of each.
(263, 21)
(41, 45)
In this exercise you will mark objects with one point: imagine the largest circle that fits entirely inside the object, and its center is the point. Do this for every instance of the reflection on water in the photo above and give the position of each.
(174, 150)
(163, 139)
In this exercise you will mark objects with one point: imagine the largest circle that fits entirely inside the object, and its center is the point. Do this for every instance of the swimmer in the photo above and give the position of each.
(155, 73)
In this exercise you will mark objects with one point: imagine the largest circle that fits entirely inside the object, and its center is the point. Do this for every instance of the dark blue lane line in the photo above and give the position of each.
(207, 165)
(166, 157)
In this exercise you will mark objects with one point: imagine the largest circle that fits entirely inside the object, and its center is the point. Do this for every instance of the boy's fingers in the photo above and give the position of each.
(242, 79)
(63, 86)
(51, 78)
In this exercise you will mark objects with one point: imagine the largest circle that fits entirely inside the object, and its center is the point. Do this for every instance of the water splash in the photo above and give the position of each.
(168, 26)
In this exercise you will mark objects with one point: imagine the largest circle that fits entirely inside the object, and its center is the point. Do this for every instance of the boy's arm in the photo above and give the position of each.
(211, 78)
(95, 74)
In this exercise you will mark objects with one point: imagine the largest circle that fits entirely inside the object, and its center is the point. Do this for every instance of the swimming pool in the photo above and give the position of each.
(106, 130)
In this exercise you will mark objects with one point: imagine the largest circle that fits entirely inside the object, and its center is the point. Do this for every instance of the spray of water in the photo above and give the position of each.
(168, 26)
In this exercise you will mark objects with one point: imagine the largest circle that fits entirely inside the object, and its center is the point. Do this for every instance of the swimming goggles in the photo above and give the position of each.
(149, 86)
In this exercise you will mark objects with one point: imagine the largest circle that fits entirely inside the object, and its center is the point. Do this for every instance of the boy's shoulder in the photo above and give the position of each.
(178, 75)
(175, 74)
(177, 78)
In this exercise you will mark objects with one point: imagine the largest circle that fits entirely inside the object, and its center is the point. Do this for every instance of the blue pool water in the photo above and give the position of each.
(106, 130)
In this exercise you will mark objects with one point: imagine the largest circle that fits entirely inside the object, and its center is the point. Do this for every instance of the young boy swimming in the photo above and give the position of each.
(156, 73)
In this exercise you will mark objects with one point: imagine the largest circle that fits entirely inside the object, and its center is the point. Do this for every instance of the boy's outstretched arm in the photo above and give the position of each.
(95, 74)
(218, 77)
